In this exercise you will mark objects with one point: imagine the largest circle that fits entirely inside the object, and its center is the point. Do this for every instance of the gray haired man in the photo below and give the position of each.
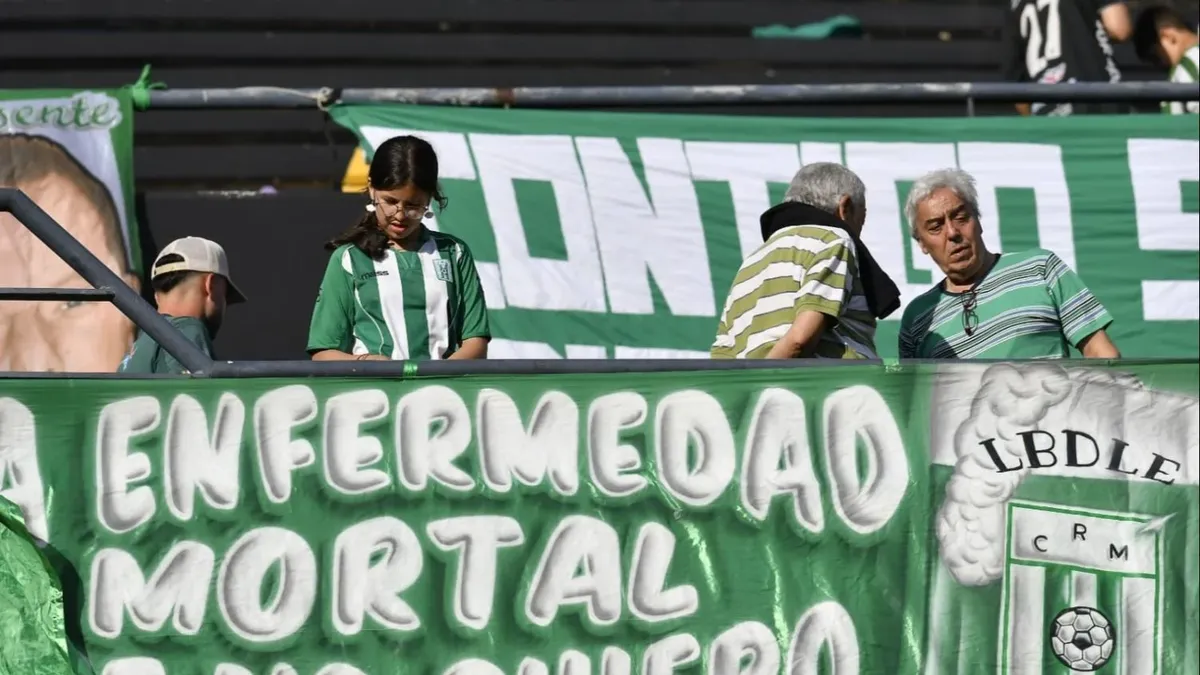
(812, 289)
(1019, 305)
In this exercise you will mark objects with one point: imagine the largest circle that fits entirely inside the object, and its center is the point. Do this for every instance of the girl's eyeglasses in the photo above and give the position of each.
(409, 210)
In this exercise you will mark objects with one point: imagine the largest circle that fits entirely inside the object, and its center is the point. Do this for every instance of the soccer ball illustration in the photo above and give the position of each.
(1082, 638)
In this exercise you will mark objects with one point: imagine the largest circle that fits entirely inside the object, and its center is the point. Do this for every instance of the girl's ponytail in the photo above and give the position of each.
(366, 235)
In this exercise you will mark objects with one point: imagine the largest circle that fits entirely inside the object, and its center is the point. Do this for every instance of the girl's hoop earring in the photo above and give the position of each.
(428, 215)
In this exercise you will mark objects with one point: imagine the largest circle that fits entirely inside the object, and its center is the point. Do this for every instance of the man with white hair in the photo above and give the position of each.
(812, 289)
(1023, 305)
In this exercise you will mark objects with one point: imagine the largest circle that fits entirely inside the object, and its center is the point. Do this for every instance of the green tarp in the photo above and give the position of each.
(33, 628)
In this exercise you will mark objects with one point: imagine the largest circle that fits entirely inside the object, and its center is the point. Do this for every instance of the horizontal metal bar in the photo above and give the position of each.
(498, 367)
(131, 304)
(67, 294)
(620, 14)
(552, 97)
(459, 368)
(509, 367)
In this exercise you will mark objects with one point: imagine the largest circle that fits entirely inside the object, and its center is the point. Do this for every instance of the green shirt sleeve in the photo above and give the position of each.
(332, 324)
(1079, 312)
(197, 334)
(472, 307)
(826, 284)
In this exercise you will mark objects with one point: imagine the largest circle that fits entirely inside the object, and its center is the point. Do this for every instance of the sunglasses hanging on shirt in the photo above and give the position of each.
(969, 318)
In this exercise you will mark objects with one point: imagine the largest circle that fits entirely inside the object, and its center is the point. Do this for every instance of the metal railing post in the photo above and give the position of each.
(131, 304)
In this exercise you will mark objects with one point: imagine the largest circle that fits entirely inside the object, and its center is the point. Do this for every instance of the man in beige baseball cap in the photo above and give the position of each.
(191, 287)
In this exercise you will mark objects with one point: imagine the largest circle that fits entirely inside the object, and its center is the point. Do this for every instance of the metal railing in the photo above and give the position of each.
(967, 93)
(106, 285)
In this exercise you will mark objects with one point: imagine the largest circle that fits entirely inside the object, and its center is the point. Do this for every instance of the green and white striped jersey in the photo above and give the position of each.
(803, 267)
(1186, 71)
(1030, 306)
(411, 305)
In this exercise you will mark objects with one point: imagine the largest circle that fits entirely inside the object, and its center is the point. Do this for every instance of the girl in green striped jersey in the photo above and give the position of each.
(394, 289)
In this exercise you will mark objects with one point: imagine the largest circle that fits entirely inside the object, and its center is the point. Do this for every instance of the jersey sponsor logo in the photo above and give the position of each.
(441, 268)
(1054, 75)
(371, 275)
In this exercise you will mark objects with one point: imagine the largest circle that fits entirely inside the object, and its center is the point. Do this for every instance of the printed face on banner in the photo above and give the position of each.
(59, 336)
(675, 521)
(60, 153)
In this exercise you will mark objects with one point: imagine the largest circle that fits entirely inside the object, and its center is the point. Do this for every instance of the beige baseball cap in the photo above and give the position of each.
(199, 255)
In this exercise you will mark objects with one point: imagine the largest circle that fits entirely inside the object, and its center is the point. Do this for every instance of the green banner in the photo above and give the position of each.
(617, 235)
(1010, 519)
(71, 152)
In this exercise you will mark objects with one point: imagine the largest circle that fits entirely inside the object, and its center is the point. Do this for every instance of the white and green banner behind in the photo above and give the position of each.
(614, 235)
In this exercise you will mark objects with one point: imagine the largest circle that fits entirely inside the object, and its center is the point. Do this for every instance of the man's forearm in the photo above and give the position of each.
(801, 337)
(1117, 21)
(336, 355)
(1099, 346)
(472, 348)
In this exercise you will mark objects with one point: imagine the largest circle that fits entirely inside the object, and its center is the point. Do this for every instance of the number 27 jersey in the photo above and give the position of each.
(1052, 41)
